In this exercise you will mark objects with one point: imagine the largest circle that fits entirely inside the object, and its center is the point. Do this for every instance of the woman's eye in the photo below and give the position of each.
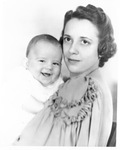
(85, 42)
(67, 39)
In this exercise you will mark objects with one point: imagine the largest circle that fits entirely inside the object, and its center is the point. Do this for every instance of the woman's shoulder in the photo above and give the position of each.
(99, 81)
(102, 88)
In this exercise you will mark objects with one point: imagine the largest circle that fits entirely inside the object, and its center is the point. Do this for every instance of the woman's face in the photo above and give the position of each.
(80, 45)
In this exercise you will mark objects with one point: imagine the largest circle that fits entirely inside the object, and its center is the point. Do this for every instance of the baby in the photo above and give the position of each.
(29, 88)
(44, 56)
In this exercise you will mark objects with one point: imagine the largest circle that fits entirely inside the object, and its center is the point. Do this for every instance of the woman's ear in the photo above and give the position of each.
(99, 56)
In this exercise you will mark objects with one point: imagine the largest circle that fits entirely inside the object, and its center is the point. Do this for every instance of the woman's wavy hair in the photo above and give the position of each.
(107, 46)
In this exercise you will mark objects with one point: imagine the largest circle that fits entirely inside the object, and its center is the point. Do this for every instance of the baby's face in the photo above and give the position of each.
(44, 62)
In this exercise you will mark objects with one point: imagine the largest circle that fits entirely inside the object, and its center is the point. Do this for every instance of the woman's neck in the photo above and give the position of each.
(87, 72)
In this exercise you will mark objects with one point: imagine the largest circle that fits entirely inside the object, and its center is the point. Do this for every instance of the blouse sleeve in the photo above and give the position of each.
(101, 119)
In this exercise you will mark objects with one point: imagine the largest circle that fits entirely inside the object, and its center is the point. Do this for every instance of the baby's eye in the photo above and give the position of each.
(41, 60)
(56, 64)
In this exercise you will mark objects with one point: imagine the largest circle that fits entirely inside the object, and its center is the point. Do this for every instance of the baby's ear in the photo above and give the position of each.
(25, 62)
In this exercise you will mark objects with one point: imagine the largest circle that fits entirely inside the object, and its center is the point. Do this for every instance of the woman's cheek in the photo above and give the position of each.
(65, 50)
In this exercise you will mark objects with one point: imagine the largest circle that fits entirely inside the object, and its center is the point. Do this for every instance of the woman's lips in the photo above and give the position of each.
(70, 60)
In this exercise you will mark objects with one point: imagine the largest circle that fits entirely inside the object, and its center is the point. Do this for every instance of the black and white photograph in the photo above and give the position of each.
(59, 74)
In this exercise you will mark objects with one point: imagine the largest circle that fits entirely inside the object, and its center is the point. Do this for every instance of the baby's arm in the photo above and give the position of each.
(33, 105)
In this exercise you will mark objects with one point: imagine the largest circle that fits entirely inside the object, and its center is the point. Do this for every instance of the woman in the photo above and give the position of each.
(80, 112)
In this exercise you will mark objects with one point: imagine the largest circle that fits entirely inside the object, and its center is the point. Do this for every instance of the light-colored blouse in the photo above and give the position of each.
(78, 114)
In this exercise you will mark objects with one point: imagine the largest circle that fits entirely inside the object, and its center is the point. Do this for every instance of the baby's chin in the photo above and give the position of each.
(46, 80)
(45, 84)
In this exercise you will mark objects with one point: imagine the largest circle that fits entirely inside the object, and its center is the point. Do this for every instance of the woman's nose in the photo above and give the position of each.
(74, 49)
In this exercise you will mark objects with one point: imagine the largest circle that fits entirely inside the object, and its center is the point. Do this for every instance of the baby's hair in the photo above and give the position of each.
(42, 37)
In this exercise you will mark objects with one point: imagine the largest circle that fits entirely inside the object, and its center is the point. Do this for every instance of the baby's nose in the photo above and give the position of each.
(49, 66)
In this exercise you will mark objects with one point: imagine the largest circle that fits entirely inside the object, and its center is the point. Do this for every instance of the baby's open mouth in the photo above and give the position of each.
(46, 74)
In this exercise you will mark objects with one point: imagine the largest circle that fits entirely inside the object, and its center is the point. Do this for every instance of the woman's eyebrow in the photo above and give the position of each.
(66, 35)
(83, 37)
